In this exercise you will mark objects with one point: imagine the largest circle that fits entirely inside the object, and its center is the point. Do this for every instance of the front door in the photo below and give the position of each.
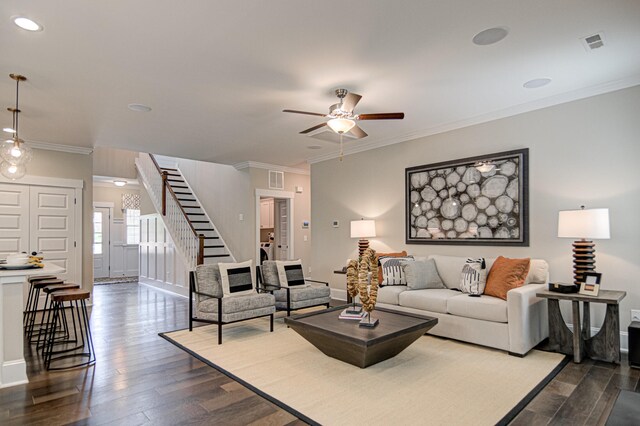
(101, 234)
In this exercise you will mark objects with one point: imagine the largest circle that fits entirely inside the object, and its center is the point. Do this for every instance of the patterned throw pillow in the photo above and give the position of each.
(473, 277)
(237, 278)
(290, 273)
(392, 271)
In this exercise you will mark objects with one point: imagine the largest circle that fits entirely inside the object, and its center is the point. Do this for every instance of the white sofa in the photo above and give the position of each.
(515, 325)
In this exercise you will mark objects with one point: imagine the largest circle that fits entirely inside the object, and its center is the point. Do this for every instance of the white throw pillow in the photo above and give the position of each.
(290, 273)
(473, 277)
(392, 271)
(422, 274)
(237, 279)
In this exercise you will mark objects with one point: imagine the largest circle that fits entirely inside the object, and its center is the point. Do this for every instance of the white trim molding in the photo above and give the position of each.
(59, 147)
(266, 166)
(45, 181)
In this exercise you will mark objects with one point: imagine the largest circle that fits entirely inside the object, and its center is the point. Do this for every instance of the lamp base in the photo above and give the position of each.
(584, 259)
(362, 246)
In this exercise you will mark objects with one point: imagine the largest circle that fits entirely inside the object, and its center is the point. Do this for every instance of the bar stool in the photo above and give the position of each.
(81, 335)
(30, 296)
(47, 310)
(33, 304)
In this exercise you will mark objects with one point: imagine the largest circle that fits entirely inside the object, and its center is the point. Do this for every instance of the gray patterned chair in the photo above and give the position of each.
(290, 298)
(205, 290)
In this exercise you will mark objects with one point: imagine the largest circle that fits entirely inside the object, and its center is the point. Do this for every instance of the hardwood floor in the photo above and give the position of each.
(141, 378)
(138, 377)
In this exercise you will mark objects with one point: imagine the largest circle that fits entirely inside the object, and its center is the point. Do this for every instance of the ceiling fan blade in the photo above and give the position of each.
(358, 132)
(311, 129)
(304, 112)
(382, 116)
(350, 101)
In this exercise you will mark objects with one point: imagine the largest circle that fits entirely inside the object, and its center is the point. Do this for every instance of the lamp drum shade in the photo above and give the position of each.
(586, 223)
(363, 228)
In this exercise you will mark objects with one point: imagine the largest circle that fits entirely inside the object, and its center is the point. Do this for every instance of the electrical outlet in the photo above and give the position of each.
(635, 315)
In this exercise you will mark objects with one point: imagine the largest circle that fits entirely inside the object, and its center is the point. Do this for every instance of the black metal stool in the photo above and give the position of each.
(33, 304)
(30, 296)
(47, 311)
(81, 331)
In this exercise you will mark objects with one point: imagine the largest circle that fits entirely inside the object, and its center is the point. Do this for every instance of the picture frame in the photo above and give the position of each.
(591, 284)
(482, 200)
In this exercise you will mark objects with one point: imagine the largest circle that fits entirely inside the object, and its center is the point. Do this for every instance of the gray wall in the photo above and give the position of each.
(582, 152)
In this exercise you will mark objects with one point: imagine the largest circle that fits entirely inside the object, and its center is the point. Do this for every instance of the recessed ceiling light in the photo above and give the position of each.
(139, 107)
(314, 147)
(27, 24)
(119, 182)
(490, 36)
(536, 82)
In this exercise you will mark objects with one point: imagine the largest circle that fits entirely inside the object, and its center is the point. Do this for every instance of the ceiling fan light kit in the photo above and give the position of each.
(342, 120)
(15, 153)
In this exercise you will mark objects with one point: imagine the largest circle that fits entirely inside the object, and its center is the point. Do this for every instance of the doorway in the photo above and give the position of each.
(101, 233)
(274, 225)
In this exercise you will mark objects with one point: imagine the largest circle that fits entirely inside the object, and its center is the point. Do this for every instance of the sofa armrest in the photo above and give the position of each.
(527, 315)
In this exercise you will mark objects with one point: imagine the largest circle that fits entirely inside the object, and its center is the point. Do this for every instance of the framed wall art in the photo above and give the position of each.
(480, 200)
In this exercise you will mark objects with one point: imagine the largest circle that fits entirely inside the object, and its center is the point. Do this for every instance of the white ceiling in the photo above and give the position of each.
(218, 73)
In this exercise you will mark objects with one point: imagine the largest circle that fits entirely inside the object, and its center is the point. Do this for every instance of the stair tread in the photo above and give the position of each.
(186, 199)
(166, 168)
(191, 207)
(195, 214)
(216, 255)
(182, 192)
(211, 238)
(220, 246)
(199, 221)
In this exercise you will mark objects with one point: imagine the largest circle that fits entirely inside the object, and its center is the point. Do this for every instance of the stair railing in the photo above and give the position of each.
(165, 200)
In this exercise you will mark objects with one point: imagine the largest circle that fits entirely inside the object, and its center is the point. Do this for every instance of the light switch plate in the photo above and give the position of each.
(635, 315)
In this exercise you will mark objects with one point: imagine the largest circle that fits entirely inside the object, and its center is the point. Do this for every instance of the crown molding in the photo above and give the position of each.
(266, 166)
(58, 147)
(550, 101)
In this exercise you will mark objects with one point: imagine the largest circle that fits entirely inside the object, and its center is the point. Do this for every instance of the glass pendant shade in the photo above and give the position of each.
(341, 125)
(12, 171)
(16, 153)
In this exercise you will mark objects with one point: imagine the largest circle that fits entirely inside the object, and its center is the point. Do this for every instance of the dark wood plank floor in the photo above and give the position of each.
(138, 378)
(141, 378)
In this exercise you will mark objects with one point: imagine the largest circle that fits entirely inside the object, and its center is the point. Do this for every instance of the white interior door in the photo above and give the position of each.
(101, 235)
(14, 219)
(282, 231)
(52, 222)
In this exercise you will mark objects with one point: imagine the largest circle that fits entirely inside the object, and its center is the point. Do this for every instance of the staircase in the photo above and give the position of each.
(189, 225)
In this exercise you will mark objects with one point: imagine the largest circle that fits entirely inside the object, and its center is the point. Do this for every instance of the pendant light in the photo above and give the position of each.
(14, 152)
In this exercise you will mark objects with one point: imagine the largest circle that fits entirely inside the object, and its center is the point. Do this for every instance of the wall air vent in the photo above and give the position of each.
(593, 42)
(276, 179)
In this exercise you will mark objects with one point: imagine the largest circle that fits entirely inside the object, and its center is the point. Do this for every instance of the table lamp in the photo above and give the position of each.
(363, 229)
(586, 224)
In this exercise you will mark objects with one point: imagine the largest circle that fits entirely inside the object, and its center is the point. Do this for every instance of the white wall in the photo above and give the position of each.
(583, 152)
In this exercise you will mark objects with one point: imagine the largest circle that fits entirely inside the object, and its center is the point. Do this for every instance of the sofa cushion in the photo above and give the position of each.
(422, 274)
(390, 294)
(304, 293)
(434, 300)
(473, 277)
(232, 305)
(382, 255)
(392, 270)
(449, 268)
(483, 308)
(506, 274)
(538, 272)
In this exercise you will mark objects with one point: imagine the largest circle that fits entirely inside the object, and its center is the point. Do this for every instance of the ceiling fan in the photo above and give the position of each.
(342, 119)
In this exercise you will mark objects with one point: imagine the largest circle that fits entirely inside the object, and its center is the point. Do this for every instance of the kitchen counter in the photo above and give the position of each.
(13, 368)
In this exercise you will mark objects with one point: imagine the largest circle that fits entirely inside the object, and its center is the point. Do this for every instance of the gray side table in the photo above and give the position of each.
(605, 345)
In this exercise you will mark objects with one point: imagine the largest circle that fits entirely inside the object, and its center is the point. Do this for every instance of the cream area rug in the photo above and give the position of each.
(434, 381)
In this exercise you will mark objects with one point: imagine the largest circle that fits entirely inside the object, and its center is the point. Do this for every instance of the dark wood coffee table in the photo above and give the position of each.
(347, 341)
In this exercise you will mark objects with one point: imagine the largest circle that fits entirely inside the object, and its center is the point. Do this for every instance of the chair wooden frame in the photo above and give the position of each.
(272, 287)
(192, 318)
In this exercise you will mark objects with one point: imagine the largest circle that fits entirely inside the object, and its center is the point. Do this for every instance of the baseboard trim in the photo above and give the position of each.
(624, 337)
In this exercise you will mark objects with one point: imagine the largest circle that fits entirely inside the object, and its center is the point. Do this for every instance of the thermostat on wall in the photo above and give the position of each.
(335, 224)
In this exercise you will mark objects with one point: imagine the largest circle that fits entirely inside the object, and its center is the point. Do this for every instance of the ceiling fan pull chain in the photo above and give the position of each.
(341, 151)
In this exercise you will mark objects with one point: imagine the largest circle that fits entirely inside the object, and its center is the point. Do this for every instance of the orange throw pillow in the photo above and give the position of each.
(401, 254)
(505, 275)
